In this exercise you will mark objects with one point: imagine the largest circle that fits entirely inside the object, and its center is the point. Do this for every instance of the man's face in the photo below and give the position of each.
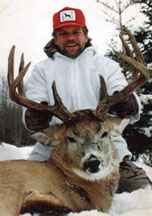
(71, 40)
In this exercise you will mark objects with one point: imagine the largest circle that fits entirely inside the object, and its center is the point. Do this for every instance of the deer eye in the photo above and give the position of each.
(104, 134)
(71, 139)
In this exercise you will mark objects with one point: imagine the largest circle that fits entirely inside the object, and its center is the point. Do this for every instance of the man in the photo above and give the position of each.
(75, 65)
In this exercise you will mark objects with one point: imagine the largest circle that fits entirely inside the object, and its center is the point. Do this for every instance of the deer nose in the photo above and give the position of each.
(93, 164)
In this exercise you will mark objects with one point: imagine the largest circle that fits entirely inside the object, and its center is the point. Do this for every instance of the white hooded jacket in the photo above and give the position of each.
(77, 82)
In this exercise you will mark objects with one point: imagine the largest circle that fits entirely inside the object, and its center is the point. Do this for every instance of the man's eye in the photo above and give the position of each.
(76, 32)
(63, 33)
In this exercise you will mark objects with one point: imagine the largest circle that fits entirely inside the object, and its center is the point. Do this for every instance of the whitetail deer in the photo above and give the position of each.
(83, 170)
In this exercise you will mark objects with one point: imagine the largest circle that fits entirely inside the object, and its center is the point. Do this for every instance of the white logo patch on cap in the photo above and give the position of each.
(67, 15)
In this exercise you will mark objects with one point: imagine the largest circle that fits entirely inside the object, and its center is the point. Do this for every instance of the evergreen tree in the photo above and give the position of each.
(139, 135)
(11, 128)
(144, 35)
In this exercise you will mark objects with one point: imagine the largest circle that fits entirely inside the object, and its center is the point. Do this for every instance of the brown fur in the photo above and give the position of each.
(39, 186)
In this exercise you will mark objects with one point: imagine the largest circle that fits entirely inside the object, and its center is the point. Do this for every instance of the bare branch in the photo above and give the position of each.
(109, 7)
(118, 10)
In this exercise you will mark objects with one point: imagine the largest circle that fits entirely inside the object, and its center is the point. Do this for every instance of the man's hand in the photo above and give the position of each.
(36, 120)
(125, 108)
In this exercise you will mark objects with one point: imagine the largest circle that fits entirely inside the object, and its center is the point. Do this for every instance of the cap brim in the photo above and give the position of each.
(68, 24)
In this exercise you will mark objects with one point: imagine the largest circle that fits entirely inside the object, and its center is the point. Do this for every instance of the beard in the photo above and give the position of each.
(67, 49)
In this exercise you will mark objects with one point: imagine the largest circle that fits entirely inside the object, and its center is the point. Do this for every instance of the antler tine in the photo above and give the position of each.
(58, 109)
(102, 107)
(130, 54)
(21, 67)
(139, 56)
(11, 66)
(143, 74)
(13, 84)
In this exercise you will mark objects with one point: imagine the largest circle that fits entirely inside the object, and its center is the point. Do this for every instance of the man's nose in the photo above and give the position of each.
(70, 36)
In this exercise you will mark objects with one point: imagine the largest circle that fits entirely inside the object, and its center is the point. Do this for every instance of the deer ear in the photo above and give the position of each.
(49, 136)
(117, 125)
(44, 139)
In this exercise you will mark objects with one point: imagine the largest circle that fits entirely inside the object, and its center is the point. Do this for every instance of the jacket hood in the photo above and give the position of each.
(51, 48)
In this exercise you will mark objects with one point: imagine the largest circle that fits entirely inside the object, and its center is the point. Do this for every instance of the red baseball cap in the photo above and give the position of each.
(68, 16)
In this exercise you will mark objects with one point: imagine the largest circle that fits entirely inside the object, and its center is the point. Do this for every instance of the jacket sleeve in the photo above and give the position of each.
(36, 88)
(116, 81)
(37, 85)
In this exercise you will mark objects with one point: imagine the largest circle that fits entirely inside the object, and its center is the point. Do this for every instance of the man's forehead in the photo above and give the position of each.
(69, 28)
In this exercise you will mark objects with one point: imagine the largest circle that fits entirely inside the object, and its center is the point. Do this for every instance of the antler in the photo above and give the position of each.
(17, 93)
(140, 76)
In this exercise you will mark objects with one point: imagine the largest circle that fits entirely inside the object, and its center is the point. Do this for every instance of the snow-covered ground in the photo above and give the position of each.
(137, 203)
(11, 152)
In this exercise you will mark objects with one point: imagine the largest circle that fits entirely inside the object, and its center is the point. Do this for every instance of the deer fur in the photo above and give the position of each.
(62, 183)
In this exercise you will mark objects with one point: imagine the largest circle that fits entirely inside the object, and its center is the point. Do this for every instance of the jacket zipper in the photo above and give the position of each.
(75, 84)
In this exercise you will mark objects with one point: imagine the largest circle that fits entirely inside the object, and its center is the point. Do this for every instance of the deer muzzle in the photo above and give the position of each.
(93, 164)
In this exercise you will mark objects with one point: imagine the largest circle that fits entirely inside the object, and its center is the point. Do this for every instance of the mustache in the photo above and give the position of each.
(69, 42)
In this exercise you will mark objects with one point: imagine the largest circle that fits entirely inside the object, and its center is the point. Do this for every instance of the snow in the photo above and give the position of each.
(148, 131)
(145, 99)
(136, 203)
(11, 152)
(144, 212)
